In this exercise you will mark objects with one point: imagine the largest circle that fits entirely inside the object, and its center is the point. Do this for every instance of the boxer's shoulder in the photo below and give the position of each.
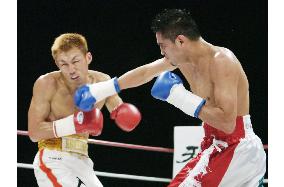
(49, 78)
(224, 63)
(98, 76)
(47, 82)
(223, 57)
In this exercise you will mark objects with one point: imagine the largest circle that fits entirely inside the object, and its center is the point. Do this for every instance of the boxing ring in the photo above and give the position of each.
(127, 146)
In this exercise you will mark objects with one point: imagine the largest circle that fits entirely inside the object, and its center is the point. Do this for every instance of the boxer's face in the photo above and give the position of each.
(171, 50)
(73, 64)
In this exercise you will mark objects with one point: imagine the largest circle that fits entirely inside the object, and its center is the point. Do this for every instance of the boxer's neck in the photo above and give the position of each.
(198, 53)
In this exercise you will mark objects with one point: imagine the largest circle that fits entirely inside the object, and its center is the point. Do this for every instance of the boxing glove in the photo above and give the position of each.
(169, 87)
(88, 95)
(126, 116)
(80, 122)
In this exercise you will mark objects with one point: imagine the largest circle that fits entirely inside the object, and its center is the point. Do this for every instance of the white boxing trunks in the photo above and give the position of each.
(65, 162)
(59, 169)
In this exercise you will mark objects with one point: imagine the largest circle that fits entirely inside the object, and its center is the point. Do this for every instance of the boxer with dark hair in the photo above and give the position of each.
(231, 154)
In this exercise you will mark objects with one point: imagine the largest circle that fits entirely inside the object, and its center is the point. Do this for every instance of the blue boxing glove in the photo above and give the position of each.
(168, 87)
(163, 85)
(83, 98)
(88, 95)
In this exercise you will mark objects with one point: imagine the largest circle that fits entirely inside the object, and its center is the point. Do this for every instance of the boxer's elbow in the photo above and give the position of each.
(227, 119)
(229, 128)
(228, 124)
(33, 136)
(219, 118)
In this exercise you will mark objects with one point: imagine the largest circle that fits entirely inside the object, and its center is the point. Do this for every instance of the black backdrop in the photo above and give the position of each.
(120, 39)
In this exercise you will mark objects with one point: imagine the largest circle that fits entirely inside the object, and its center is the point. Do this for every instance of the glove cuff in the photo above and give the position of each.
(116, 85)
(64, 127)
(102, 90)
(185, 100)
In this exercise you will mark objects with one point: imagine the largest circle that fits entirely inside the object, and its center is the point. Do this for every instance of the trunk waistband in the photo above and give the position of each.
(72, 144)
(243, 129)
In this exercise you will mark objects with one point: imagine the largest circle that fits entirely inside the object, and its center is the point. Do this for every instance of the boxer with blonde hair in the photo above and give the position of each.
(61, 129)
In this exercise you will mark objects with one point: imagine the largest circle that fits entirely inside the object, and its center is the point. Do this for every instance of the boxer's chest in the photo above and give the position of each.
(200, 84)
(62, 104)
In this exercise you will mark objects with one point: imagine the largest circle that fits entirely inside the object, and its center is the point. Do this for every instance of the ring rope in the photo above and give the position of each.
(117, 144)
(124, 145)
(118, 175)
(112, 175)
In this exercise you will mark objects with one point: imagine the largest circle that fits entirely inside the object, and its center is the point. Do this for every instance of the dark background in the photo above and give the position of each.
(119, 37)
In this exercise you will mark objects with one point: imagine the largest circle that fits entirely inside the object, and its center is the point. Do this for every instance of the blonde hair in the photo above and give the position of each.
(67, 41)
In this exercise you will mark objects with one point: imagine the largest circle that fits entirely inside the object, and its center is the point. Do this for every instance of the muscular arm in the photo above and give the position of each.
(112, 102)
(144, 74)
(99, 91)
(38, 127)
(223, 114)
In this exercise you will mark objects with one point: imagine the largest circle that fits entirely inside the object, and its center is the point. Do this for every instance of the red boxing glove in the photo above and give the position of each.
(126, 116)
(89, 122)
(80, 122)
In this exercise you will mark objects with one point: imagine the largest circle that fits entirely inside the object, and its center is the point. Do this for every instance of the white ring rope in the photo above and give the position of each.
(113, 175)
(118, 175)
(124, 145)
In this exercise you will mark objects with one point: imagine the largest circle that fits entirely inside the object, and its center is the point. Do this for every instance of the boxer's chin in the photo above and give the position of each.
(77, 81)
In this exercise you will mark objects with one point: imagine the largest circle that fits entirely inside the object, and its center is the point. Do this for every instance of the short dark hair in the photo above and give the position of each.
(173, 22)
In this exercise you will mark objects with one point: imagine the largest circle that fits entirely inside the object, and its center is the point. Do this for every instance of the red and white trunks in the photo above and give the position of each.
(233, 160)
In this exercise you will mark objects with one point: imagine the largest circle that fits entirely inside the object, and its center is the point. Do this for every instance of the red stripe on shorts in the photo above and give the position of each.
(218, 165)
(48, 171)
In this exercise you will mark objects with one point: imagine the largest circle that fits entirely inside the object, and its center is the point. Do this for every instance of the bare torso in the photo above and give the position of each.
(61, 104)
(202, 83)
(53, 100)
(213, 73)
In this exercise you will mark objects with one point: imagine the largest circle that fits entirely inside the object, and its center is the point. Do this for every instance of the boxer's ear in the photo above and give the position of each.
(180, 39)
(89, 57)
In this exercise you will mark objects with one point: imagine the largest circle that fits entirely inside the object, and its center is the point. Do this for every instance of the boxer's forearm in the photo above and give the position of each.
(43, 130)
(135, 77)
(144, 74)
(98, 91)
